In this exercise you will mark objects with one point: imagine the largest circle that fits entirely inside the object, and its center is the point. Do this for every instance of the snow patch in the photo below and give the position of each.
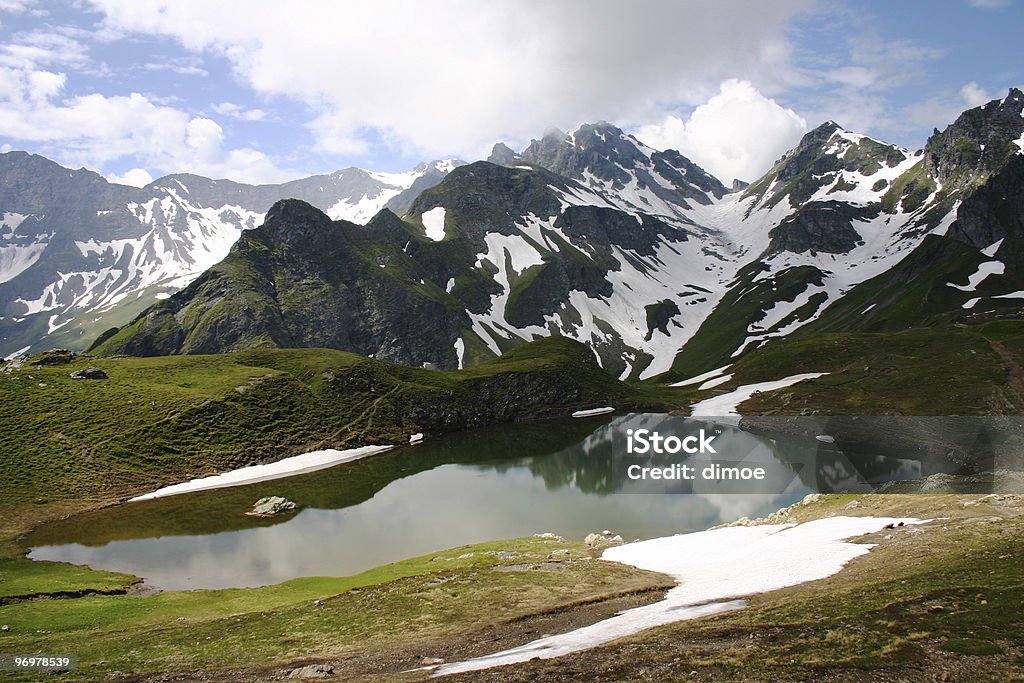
(712, 568)
(593, 411)
(702, 377)
(299, 464)
(460, 350)
(16, 259)
(725, 405)
(977, 277)
(433, 223)
(991, 249)
(712, 383)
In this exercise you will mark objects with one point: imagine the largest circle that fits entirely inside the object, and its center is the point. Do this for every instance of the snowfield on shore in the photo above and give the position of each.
(714, 568)
(299, 464)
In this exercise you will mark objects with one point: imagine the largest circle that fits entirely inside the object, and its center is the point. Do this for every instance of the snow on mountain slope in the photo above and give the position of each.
(593, 235)
(79, 255)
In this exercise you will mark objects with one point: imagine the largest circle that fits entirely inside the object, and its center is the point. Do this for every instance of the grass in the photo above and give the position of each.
(917, 372)
(414, 600)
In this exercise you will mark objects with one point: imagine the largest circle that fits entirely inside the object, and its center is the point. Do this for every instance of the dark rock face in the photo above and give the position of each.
(503, 155)
(301, 280)
(995, 211)
(659, 315)
(820, 227)
(978, 143)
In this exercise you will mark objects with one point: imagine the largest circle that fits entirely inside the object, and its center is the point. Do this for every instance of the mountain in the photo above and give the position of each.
(843, 226)
(79, 254)
(637, 253)
(492, 257)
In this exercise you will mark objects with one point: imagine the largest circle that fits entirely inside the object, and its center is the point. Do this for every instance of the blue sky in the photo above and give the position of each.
(267, 91)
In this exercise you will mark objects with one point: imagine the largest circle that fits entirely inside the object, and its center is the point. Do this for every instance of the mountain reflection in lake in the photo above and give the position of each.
(500, 482)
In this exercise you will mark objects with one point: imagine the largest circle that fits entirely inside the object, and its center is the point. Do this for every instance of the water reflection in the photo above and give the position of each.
(504, 482)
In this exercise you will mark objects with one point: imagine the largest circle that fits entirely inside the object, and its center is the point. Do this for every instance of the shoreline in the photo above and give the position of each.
(251, 474)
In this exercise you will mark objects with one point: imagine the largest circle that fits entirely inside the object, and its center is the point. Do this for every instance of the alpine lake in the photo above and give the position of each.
(566, 477)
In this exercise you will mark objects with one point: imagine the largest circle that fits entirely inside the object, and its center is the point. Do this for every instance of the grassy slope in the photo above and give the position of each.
(975, 370)
(725, 330)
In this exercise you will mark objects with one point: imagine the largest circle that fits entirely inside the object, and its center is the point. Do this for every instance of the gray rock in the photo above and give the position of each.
(270, 506)
(89, 373)
(605, 539)
(313, 671)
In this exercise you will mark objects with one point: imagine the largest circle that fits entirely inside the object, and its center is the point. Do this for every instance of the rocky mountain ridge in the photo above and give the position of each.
(640, 254)
(79, 254)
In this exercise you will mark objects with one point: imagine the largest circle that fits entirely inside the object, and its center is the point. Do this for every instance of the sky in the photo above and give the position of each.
(265, 91)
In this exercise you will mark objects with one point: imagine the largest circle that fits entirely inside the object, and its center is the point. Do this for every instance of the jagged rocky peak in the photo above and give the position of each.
(833, 160)
(599, 149)
(503, 155)
(830, 147)
(979, 142)
(617, 165)
(295, 222)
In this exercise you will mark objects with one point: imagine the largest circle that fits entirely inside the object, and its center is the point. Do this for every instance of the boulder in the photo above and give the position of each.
(89, 373)
(270, 506)
(313, 671)
(605, 539)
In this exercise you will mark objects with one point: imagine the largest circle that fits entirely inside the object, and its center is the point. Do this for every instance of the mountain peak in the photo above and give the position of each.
(979, 142)
(503, 155)
(295, 222)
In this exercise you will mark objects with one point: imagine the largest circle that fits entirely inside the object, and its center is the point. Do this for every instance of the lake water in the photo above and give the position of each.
(565, 477)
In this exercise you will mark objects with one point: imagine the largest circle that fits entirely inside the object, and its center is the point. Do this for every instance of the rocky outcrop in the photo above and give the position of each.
(89, 373)
(270, 506)
(820, 227)
(600, 541)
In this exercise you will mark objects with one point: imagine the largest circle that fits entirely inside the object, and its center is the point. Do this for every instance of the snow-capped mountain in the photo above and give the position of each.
(79, 255)
(841, 210)
(636, 252)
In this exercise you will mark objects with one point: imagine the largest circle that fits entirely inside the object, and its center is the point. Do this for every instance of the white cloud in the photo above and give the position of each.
(15, 6)
(988, 4)
(454, 77)
(974, 95)
(237, 111)
(855, 76)
(92, 130)
(136, 177)
(738, 133)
